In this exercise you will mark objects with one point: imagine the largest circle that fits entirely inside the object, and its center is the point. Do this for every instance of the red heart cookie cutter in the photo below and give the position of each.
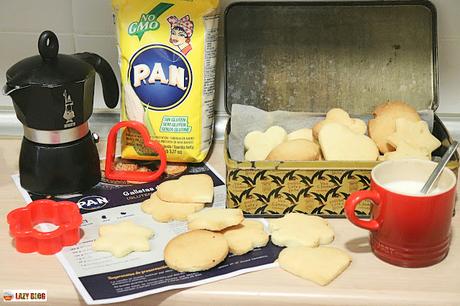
(66, 215)
(137, 176)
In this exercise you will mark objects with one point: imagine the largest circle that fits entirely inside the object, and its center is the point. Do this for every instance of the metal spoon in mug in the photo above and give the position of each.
(437, 171)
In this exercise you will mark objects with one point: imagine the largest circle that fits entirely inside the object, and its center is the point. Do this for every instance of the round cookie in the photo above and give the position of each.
(304, 133)
(394, 107)
(297, 149)
(196, 250)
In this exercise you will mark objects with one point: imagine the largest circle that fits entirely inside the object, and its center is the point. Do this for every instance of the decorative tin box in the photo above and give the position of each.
(313, 56)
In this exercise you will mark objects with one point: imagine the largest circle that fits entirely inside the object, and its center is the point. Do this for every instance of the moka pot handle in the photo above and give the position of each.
(106, 74)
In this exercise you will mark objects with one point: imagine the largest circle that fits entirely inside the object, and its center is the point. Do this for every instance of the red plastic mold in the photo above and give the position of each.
(137, 176)
(66, 215)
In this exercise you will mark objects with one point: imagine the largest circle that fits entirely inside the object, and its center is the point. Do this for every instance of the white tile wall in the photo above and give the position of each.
(87, 25)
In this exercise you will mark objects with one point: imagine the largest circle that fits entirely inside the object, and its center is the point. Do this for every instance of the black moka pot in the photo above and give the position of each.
(53, 98)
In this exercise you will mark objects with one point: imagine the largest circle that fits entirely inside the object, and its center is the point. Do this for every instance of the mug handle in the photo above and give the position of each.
(353, 200)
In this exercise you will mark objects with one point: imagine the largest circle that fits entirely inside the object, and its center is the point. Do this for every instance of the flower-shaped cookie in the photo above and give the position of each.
(300, 230)
(246, 236)
(66, 215)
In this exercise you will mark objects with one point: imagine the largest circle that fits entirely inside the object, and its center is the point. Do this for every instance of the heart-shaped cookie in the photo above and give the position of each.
(259, 144)
(320, 265)
(340, 143)
(338, 115)
(137, 176)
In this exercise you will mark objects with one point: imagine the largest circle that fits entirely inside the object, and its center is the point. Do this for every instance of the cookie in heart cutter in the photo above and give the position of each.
(65, 215)
(138, 176)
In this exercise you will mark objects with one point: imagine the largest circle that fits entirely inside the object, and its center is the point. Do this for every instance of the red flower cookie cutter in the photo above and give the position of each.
(66, 215)
(137, 176)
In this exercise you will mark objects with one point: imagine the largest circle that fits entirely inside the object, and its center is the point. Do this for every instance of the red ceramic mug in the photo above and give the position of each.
(407, 229)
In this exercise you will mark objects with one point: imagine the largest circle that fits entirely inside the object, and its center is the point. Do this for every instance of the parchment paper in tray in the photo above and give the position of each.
(249, 118)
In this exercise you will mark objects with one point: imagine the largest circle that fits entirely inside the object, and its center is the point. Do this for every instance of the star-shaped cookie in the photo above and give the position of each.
(123, 238)
(415, 134)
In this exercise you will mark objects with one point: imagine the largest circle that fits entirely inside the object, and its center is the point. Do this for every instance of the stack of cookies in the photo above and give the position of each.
(213, 233)
(174, 200)
(399, 132)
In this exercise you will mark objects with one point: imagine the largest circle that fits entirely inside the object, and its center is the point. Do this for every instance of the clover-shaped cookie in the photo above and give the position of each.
(191, 188)
(246, 236)
(296, 229)
(259, 144)
(338, 115)
(215, 219)
(163, 211)
(123, 238)
(340, 143)
(320, 265)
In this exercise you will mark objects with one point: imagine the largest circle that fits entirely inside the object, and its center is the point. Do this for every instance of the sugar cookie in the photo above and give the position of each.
(215, 219)
(297, 149)
(338, 115)
(123, 238)
(296, 229)
(383, 125)
(246, 236)
(163, 211)
(394, 108)
(259, 152)
(304, 133)
(415, 134)
(259, 144)
(196, 250)
(195, 188)
(404, 151)
(320, 265)
(340, 143)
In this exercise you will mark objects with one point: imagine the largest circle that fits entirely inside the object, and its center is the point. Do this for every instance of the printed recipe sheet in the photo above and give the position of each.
(101, 278)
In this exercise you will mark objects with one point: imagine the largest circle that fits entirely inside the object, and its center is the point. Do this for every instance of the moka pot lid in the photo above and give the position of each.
(49, 69)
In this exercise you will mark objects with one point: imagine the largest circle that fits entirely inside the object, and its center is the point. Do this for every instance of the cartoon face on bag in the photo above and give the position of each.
(181, 33)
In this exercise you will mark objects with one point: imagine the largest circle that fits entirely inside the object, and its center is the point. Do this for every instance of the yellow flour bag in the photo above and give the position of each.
(167, 60)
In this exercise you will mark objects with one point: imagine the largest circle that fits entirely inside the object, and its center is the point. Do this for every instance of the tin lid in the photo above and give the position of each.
(312, 56)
